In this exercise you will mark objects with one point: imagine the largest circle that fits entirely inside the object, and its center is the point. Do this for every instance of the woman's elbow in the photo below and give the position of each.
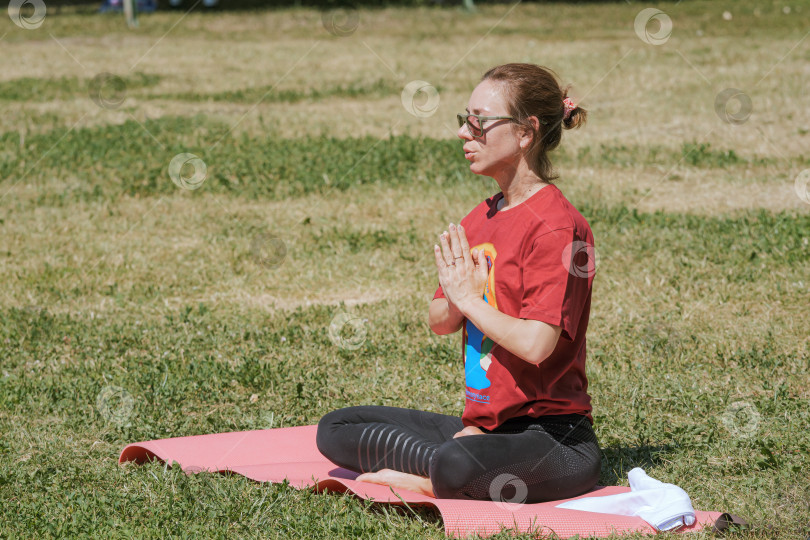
(546, 338)
(442, 329)
(439, 319)
(537, 358)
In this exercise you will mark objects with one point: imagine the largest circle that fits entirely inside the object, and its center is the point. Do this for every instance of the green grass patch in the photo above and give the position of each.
(32, 89)
(195, 371)
(269, 94)
(107, 161)
(695, 154)
(29, 89)
(102, 163)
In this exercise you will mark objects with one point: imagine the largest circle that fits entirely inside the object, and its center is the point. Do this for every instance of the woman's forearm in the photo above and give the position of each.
(531, 340)
(443, 318)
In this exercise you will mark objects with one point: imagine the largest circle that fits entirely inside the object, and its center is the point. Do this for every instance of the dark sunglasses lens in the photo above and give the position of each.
(475, 125)
(472, 123)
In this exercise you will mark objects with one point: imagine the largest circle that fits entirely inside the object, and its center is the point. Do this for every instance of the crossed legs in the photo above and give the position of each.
(554, 458)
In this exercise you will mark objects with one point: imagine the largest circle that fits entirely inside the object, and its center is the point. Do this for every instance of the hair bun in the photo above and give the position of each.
(535, 91)
(573, 116)
(568, 106)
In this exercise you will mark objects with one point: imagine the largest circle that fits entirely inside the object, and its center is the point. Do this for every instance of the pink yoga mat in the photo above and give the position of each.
(272, 455)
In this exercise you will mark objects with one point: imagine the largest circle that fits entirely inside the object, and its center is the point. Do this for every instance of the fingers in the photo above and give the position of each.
(460, 248)
(437, 254)
(447, 253)
(479, 259)
(370, 477)
(455, 248)
(455, 242)
(461, 236)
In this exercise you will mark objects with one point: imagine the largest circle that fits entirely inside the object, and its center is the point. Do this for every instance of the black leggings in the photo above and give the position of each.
(524, 460)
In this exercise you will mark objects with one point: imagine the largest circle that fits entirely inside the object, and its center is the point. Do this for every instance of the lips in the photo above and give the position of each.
(467, 153)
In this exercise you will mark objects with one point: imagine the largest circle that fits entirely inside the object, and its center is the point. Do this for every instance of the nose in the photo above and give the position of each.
(464, 132)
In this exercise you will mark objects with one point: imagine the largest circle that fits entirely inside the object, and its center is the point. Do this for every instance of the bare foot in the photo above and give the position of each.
(469, 430)
(396, 479)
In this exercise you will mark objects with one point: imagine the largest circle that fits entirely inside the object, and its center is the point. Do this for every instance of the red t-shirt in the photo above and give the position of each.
(541, 265)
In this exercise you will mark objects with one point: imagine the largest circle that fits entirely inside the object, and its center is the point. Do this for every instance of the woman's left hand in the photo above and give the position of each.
(462, 273)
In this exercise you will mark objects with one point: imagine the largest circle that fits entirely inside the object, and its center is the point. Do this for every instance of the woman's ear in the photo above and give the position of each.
(527, 136)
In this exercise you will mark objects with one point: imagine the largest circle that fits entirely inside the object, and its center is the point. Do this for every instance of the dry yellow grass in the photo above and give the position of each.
(210, 248)
(638, 95)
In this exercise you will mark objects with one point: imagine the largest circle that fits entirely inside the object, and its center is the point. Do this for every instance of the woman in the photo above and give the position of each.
(522, 298)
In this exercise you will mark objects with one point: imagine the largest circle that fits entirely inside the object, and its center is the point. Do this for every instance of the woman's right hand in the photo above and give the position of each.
(462, 271)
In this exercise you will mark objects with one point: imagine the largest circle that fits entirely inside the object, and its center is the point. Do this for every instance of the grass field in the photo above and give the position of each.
(136, 309)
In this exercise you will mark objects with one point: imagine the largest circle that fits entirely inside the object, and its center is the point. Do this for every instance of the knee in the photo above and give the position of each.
(591, 466)
(595, 470)
(326, 429)
(453, 471)
(584, 477)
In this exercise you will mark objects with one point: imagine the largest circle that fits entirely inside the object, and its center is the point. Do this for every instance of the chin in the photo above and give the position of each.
(476, 168)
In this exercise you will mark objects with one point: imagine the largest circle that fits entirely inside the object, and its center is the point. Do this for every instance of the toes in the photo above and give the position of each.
(372, 477)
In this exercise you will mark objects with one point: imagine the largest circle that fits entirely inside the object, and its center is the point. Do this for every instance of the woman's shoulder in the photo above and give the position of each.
(552, 205)
(555, 211)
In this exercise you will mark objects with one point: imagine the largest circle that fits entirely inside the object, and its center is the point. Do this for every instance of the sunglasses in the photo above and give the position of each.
(475, 122)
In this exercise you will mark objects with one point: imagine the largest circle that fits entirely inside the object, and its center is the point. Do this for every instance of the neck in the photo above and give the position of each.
(518, 186)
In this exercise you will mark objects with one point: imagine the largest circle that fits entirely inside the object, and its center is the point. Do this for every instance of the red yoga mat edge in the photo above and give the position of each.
(275, 455)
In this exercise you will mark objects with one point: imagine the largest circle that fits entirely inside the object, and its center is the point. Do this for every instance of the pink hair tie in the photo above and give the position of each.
(569, 106)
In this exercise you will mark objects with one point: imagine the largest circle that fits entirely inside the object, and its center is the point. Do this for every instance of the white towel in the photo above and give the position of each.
(664, 506)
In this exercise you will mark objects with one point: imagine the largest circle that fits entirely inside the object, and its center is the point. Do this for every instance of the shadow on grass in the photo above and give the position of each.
(617, 461)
